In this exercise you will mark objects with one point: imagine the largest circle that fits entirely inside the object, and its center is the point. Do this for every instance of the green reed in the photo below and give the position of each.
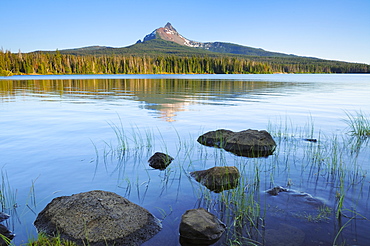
(358, 124)
(8, 197)
(43, 240)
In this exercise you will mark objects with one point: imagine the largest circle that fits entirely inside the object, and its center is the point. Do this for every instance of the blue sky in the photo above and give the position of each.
(336, 30)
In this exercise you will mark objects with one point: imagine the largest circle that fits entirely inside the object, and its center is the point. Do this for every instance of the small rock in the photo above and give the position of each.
(218, 179)
(199, 227)
(160, 160)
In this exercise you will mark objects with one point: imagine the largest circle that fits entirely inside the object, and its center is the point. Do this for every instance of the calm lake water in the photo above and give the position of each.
(59, 137)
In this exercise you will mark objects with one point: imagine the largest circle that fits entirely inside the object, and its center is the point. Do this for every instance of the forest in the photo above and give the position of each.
(58, 63)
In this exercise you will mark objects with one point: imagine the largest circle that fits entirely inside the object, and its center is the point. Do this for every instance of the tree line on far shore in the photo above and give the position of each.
(57, 63)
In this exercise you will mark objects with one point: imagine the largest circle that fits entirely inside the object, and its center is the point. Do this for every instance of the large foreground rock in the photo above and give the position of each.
(97, 218)
(5, 235)
(199, 227)
(249, 143)
(218, 179)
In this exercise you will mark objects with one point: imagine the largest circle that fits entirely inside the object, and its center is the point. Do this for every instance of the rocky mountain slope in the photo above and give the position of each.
(169, 33)
(168, 41)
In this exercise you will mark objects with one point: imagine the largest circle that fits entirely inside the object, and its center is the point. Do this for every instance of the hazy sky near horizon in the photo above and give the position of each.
(335, 30)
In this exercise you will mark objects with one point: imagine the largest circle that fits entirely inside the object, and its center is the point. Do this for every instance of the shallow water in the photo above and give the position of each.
(57, 138)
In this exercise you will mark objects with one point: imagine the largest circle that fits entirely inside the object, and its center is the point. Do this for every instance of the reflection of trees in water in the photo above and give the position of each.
(165, 96)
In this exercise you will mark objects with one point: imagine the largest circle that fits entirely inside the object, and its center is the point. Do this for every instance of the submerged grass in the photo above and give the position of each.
(324, 213)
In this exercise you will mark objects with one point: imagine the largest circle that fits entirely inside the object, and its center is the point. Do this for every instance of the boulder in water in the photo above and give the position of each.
(160, 160)
(249, 143)
(199, 227)
(97, 218)
(218, 178)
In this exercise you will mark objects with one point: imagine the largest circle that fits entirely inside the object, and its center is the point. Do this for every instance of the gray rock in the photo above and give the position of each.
(97, 218)
(199, 227)
(249, 143)
(160, 160)
(218, 178)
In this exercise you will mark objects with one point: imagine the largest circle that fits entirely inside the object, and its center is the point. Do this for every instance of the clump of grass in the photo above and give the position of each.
(8, 197)
(135, 137)
(44, 240)
(358, 123)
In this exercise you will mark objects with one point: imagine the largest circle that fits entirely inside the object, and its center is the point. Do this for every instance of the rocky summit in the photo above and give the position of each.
(169, 33)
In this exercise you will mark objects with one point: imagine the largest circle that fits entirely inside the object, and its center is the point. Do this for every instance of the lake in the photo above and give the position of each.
(66, 134)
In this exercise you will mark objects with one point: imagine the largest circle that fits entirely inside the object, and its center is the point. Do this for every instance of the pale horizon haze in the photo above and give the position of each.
(333, 30)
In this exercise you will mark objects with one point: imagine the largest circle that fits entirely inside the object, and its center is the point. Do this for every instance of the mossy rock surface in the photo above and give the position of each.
(97, 218)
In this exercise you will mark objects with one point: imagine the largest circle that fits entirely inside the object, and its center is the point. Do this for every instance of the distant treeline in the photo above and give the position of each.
(57, 63)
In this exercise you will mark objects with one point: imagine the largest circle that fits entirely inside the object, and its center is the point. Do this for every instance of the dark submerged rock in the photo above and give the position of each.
(218, 179)
(284, 235)
(199, 227)
(97, 218)
(276, 190)
(296, 196)
(307, 198)
(160, 160)
(249, 143)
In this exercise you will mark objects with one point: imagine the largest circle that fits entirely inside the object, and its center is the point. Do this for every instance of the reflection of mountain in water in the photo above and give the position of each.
(165, 97)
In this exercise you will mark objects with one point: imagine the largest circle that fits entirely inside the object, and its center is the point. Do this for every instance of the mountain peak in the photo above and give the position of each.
(169, 33)
(169, 27)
